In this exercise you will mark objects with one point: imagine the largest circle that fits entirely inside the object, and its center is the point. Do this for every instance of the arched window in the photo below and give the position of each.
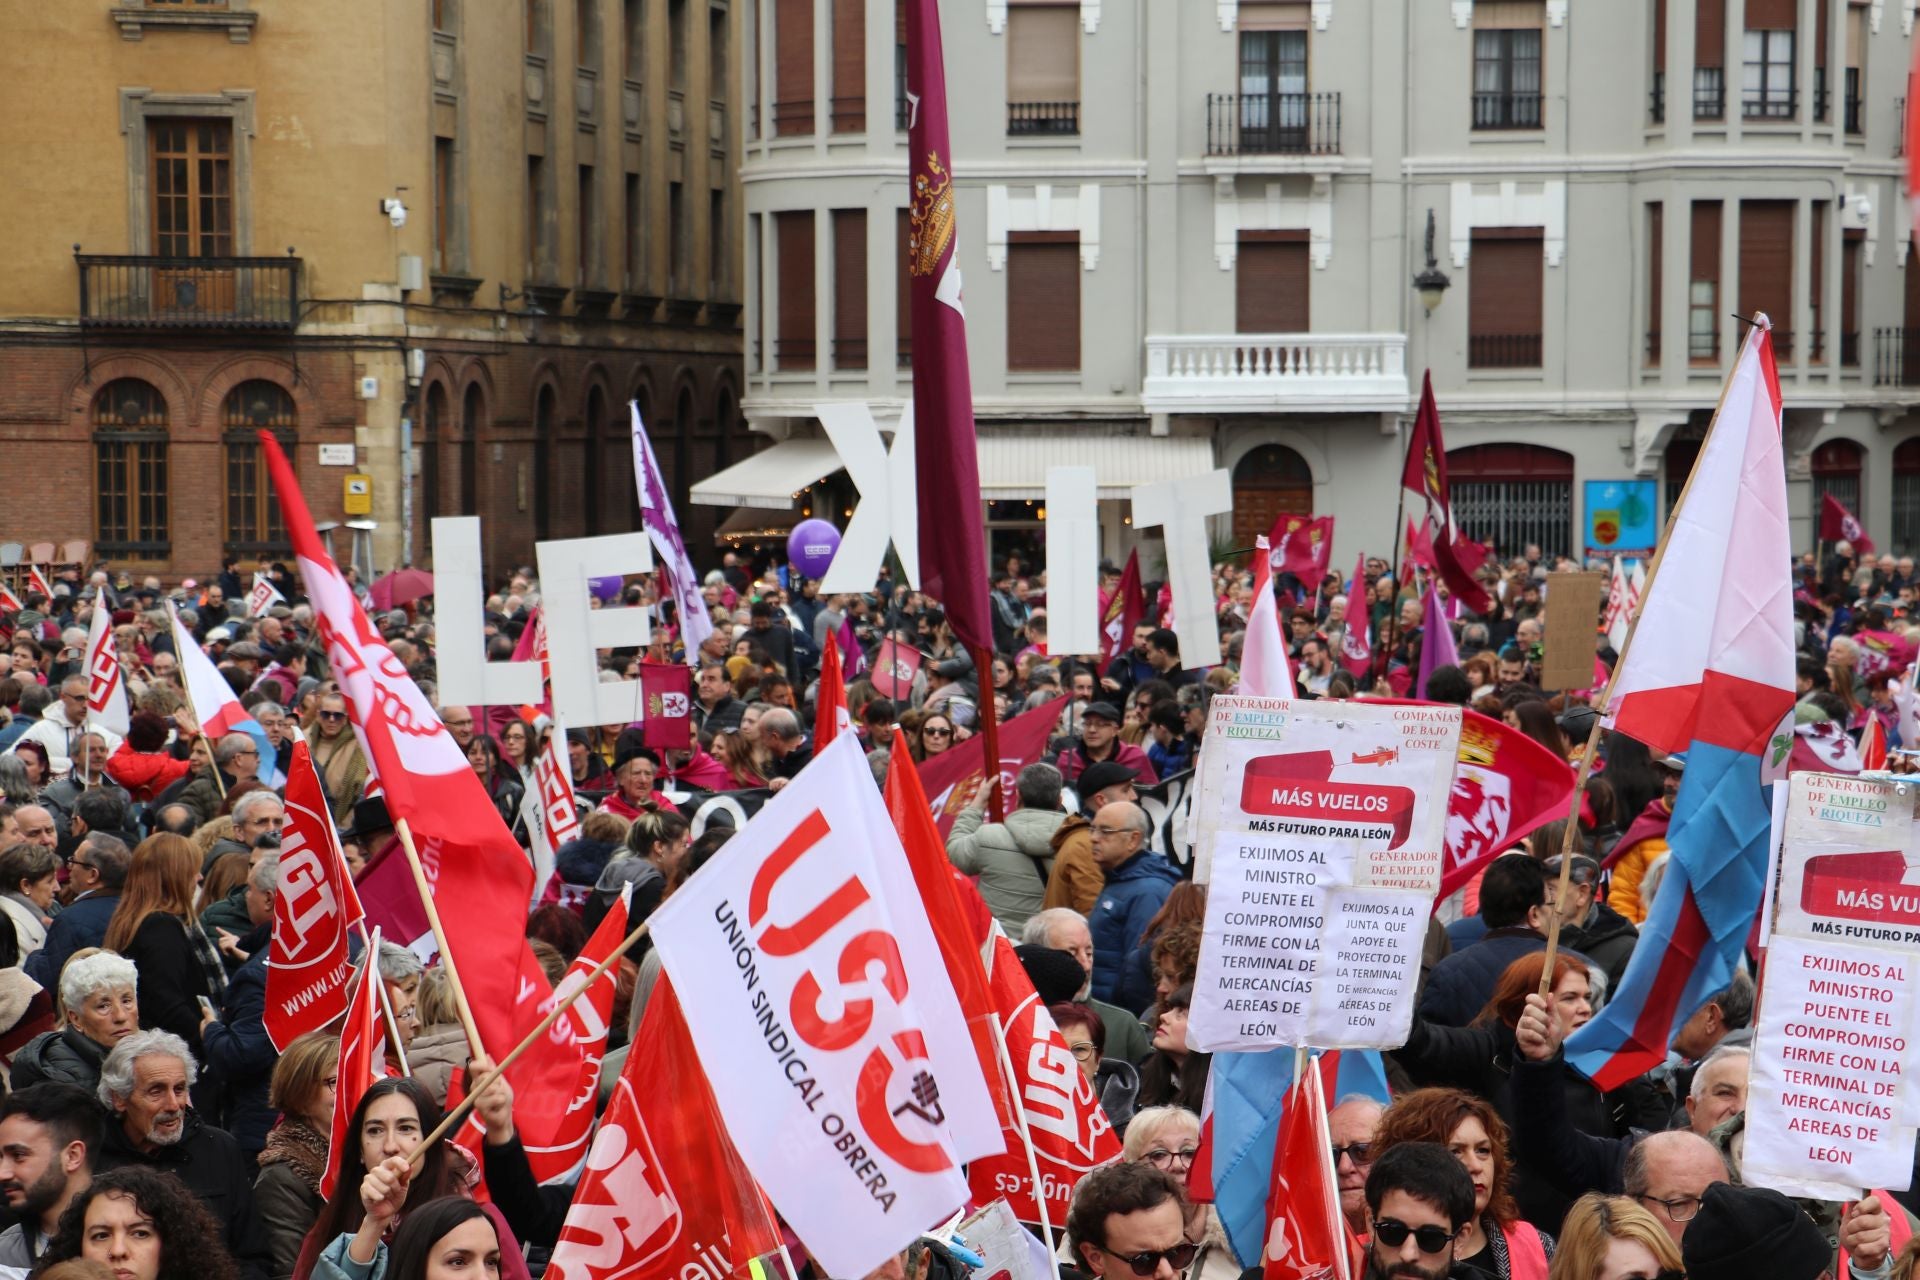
(433, 426)
(473, 411)
(254, 526)
(590, 484)
(1906, 496)
(130, 470)
(543, 445)
(1510, 496)
(1836, 471)
(683, 426)
(725, 412)
(1268, 483)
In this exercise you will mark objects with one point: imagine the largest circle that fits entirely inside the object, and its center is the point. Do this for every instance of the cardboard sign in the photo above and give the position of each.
(1573, 612)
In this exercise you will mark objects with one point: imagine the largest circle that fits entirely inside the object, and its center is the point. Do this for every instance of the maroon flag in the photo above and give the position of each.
(894, 667)
(1121, 612)
(1837, 524)
(953, 562)
(1426, 475)
(668, 689)
(1301, 546)
(951, 776)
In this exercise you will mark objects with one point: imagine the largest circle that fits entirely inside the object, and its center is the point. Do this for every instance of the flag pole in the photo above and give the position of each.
(475, 1088)
(386, 1003)
(440, 937)
(1606, 697)
(1399, 537)
(1026, 1134)
(989, 731)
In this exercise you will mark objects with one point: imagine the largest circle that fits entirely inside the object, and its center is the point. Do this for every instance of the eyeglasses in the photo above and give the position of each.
(1083, 1050)
(248, 752)
(1393, 1234)
(341, 715)
(1161, 1158)
(1680, 1209)
(1355, 1151)
(75, 862)
(1099, 830)
(1180, 1257)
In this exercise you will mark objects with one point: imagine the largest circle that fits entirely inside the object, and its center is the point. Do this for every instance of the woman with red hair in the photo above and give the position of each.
(1495, 1240)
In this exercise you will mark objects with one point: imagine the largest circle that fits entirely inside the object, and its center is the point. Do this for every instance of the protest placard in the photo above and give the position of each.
(1324, 824)
(1831, 1106)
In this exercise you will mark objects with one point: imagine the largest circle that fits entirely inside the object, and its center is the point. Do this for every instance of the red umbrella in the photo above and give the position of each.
(401, 588)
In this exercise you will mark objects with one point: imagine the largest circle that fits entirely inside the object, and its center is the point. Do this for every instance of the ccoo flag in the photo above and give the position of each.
(953, 566)
(1718, 684)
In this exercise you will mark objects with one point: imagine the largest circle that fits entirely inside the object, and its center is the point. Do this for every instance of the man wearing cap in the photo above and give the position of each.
(1077, 879)
(1099, 743)
(1644, 843)
(1742, 1232)
(1588, 925)
(634, 770)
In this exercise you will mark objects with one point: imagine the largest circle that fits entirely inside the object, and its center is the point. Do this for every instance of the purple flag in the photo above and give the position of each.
(853, 659)
(953, 560)
(1436, 640)
(656, 517)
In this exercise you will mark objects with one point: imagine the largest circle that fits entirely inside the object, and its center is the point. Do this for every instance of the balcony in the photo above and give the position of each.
(1657, 99)
(1043, 119)
(1763, 104)
(1709, 93)
(1503, 351)
(1506, 111)
(1264, 372)
(126, 292)
(1273, 124)
(1896, 357)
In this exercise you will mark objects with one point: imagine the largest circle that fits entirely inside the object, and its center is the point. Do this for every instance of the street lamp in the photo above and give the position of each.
(1432, 283)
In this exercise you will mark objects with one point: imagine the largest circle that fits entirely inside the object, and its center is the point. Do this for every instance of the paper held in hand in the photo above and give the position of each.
(1832, 1105)
(1323, 824)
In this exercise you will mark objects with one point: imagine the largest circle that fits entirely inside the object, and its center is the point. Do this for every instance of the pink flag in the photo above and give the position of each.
(1356, 641)
(1436, 640)
(1264, 672)
(894, 667)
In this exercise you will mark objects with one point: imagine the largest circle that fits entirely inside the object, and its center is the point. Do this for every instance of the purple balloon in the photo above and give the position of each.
(811, 545)
(607, 589)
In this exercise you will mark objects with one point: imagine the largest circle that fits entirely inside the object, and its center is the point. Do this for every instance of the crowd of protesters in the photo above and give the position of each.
(151, 1126)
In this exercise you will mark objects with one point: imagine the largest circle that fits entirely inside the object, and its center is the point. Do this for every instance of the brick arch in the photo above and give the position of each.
(475, 371)
(640, 386)
(82, 392)
(545, 374)
(594, 375)
(251, 367)
(685, 382)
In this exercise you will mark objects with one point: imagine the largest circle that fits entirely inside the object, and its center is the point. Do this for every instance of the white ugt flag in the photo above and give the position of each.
(803, 963)
(106, 686)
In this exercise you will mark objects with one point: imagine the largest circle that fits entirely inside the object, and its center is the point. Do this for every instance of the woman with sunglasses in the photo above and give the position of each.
(1494, 1240)
(1167, 1138)
(935, 737)
(337, 757)
(1614, 1238)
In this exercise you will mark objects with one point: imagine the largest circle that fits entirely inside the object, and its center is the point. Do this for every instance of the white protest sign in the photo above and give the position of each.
(465, 676)
(1073, 560)
(887, 509)
(1831, 1104)
(1326, 823)
(1181, 507)
(576, 630)
(804, 964)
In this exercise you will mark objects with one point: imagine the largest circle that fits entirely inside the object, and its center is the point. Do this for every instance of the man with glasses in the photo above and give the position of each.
(1138, 881)
(1351, 1125)
(1130, 1220)
(65, 724)
(236, 758)
(1418, 1198)
(459, 722)
(95, 875)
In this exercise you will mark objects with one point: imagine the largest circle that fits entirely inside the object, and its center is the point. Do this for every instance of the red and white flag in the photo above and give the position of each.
(1619, 613)
(1873, 746)
(363, 1057)
(802, 956)
(106, 687)
(1504, 786)
(1837, 524)
(532, 647)
(951, 776)
(1071, 1135)
(1356, 640)
(263, 596)
(37, 580)
(1264, 671)
(549, 810)
(894, 666)
(585, 1022)
(9, 602)
(665, 1194)
(1454, 555)
(479, 877)
(1307, 1239)
(830, 699)
(308, 966)
(1302, 546)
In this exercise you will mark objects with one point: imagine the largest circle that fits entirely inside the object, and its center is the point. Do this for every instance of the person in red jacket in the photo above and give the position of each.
(1099, 743)
(143, 763)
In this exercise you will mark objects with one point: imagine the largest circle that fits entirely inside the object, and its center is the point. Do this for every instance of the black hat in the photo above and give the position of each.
(1577, 723)
(1056, 975)
(1098, 777)
(1101, 711)
(370, 817)
(1753, 1231)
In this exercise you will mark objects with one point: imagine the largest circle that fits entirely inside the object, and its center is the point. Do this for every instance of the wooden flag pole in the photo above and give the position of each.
(989, 731)
(440, 938)
(1606, 697)
(476, 1087)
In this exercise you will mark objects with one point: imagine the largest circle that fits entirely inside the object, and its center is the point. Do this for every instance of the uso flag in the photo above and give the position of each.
(307, 963)
(803, 961)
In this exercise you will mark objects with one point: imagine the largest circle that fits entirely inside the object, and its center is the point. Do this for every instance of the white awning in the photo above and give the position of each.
(770, 478)
(1015, 466)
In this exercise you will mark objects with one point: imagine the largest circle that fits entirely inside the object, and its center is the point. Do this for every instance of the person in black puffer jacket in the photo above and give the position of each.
(97, 992)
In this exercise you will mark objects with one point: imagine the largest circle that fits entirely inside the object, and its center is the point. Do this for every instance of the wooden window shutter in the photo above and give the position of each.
(1043, 53)
(1820, 45)
(1273, 15)
(1509, 14)
(1504, 293)
(1659, 35)
(1817, 282)
(1856, 36)
(1771, 15)
(1043, 302)
(1703, 250)
(849, 288)
(794, 341)
(793, 67)
(1656, 262)
(1766, 264)
(1710, 33)
(903, 289)
(1850, 296)
(1271, 283)
(849, 113)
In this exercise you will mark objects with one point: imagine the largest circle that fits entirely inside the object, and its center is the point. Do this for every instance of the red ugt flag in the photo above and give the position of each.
(665, 1194)
(363, 1057)
(953, 563)
(1307, 1238)
(315, 905)
(1837, 523)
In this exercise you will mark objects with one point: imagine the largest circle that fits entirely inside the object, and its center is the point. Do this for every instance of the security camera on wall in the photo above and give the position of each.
(395, 211)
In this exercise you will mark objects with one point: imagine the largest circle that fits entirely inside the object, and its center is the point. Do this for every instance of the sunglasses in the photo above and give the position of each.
(934, 731)
(1394, 1234)
(1356, 1151)
(1180, 1257)
(333, 715)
